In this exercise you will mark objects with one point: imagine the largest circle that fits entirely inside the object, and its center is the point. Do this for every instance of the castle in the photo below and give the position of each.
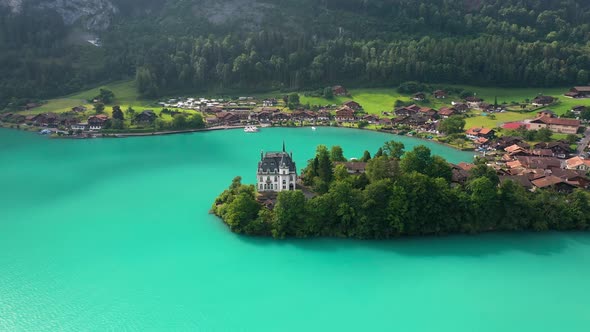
(276, 172)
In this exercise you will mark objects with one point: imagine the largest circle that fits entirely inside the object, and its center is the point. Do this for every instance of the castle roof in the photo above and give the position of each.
(273, 160)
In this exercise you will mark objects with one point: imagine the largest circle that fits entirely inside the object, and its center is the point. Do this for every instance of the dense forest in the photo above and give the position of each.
(401, 194)
(254, 44)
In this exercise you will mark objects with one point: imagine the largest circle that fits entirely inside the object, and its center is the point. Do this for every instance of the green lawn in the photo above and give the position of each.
(374, 101)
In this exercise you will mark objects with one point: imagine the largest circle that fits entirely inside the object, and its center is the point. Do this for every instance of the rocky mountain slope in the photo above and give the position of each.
(91, 14)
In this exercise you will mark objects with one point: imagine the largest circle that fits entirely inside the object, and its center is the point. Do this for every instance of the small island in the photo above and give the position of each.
(392, 194)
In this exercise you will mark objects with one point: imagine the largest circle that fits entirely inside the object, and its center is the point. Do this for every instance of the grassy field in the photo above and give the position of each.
(374, 101)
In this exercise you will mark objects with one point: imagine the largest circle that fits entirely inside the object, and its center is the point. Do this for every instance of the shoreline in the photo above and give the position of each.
(217, 128)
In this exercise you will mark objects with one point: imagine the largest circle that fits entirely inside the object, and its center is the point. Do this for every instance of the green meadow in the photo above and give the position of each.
(374, 101)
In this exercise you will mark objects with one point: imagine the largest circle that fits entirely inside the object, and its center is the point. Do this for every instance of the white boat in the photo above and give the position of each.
(313, 128)
(251, 129)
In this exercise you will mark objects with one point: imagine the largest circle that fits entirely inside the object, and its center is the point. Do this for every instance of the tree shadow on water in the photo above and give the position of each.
(481, 245)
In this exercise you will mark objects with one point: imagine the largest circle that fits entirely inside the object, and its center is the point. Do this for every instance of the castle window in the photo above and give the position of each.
(276, 178)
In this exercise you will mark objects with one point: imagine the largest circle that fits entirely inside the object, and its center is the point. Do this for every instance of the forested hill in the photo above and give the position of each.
(291, 44)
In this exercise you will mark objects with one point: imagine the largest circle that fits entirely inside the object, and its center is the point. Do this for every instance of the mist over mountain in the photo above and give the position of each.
(169, 45)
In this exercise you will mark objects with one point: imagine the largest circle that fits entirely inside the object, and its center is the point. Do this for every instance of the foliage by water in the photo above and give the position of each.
(402, 193)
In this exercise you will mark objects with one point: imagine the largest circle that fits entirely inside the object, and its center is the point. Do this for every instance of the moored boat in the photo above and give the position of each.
(251, 129)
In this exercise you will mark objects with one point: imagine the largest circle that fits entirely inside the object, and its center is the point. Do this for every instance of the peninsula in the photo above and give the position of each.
(396, 193)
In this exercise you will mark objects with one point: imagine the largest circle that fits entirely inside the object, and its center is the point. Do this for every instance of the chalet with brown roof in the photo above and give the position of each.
(345, 114)
(97, 122)
(429, 112)
(557, 125)
(461, 107)
(407, 110)
(522, 180)
(304, 116)
(414, 120)
(324, 115)
(339, 90)
(385, 122)
(262, 116)
(556, 183)
(539, 162)
(439, 94)
(228, 118)
(353, 167)
(560, 149)
(146, 117)
(446, 112)
(281, 116)
(473, 102)
(575, 177)
(370, 118)
(353, 105)
(420, 96)
(480, 132)
(579, 92)
(543, 101)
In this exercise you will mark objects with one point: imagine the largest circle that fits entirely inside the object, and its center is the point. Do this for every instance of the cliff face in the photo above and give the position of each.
(91, 14)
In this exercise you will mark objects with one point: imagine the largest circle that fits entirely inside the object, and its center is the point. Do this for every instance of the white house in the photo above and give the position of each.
(276, 172)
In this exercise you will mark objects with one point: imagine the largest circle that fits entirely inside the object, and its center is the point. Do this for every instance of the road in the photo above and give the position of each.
(584, 142)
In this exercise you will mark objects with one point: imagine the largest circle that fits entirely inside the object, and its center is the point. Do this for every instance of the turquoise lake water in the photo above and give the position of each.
(114, 235)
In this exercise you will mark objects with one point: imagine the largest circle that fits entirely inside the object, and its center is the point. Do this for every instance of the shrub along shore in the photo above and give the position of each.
(400, 194)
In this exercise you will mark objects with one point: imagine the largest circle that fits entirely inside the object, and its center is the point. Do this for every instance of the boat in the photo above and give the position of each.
(251, 129)
(313, 128)
(45, 132)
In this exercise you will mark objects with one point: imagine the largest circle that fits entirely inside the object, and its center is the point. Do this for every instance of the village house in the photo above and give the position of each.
(79, 126)
(385, 122)
(228, 118)
(503, 142)
(460, 107)
(446, 112)
(577, 110)
(556, 183)
(345, 114)
(324, 115)
(476, 132)
(559, 149)
(420, 96)
(96, 122)
(577, 163)
(281, 116)
(557, 125)
(440, 94)
(579, 92)
(407, 110)
(356, 167)
(276, 172)
(371, 119)
(269, 102)
(146, 117)
(473, 102)
(429, 112)
(353, 105)
(415, 121)
(543, 101)
(262, 116)
(308, 116)
(339, 90)
(79, 109)
(539, 162)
